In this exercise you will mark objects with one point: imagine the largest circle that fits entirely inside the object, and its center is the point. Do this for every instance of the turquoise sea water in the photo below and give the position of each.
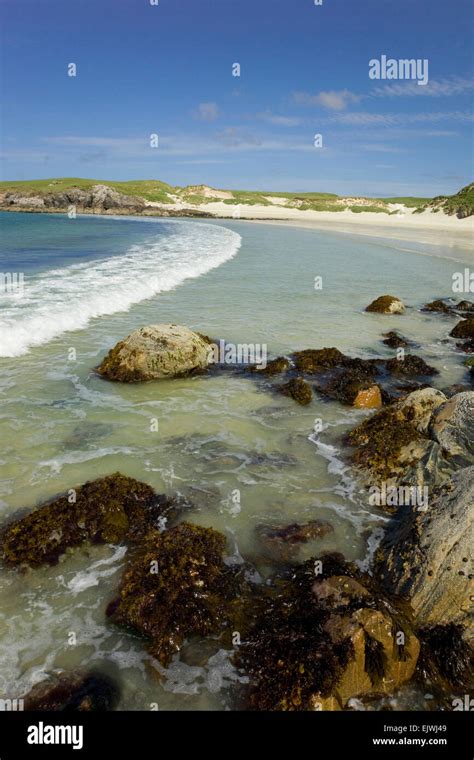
(89, 282)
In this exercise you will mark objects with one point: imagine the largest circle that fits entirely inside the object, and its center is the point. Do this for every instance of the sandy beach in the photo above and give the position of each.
(428, 227)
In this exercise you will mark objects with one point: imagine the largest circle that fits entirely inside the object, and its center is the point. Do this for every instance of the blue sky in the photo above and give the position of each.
(167, 69)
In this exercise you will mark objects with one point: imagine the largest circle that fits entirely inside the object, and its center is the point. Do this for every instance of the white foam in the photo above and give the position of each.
(61, 300)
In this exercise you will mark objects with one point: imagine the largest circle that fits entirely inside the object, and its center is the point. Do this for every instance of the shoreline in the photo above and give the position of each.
(428, 227)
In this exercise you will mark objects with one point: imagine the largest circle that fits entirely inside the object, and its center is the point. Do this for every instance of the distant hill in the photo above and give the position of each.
(461, 204)
(159, 198)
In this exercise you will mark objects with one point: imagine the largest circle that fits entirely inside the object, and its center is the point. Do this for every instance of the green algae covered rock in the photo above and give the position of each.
(176, 586)
(156, 352)
(106, 510)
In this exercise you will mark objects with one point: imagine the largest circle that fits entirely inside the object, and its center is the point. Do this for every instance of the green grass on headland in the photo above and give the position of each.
(461, 204)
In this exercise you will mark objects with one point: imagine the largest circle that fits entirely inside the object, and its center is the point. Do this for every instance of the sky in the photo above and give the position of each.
(168, 70)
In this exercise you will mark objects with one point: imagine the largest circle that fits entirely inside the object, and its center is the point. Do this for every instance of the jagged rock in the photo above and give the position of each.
(73, 692)
(282, 543)
(424, 556)
(106, 510)
(99, 197)
(176, 586)
(463, 329)
(156, 352)
(298, 389)
(386, 305)
(369, 399)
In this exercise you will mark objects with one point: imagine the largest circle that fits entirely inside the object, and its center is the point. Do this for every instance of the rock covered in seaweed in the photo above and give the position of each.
(386, 305)
(106, 510)
(393, 339)
(175, 586)
(323, 638)
(463, 329)
(438, 306)
(73, 692)
(273, 367)
(156, 352)
(298, 389)
(388, 442)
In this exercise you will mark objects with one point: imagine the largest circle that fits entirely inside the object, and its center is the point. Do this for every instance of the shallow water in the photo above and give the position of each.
(62, 425)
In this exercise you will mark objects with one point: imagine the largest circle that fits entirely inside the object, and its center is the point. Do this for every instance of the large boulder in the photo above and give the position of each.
(156, 352)
(425, 555)
(386, 305)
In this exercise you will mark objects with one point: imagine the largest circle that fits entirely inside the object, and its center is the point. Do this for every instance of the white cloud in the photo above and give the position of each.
(206, 112)
(334, 100)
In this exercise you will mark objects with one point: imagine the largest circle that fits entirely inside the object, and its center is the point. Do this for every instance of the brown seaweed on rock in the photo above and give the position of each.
(297, 389)
(106, 510)
(321, 638)
(176, 586)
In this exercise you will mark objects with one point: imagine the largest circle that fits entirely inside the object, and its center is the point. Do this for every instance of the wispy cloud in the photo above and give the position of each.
(334, 100)
(362, 118)
(206, 112)
(434, 89)
(279, 121)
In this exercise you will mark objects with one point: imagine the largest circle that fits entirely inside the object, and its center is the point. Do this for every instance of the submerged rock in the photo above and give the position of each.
(322, 639)
(410, 366)
(317, 360)
(463, 329)
(298, 389)
(393, 339)
(465, 306)
(106, 510)
(386, 305)
(156, 352)
(176, 586)
(73, 692)
(282, 543)
(274, 367)
(438, 306)
(425, 555)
